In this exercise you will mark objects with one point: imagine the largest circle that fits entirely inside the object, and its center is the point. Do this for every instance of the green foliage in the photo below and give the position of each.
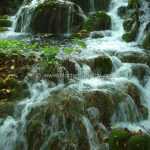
(15, 46)
(80, 43)
(49, 54)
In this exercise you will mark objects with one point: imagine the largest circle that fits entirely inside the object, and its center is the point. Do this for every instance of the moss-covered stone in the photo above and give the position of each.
(131, 36)
(97, 5)
(3, 29)
(5, 23)
(56, 17)
(146, 42)
(139, 142)
(135, 57)
(100, 65)
(98, 21)
(118, 140)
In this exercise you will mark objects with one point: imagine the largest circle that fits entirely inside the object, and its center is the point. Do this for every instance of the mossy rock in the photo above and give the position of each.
(81, 34)
(128, 24)
(100, 65)
(4, 17)
(146, 42)
(7, 109)
(5, 23)
(133, 3)
(97, 5)
(52, 17)
(98, 21)
(135, 57)
(118, 140)
(3, 29)
(139, 142)
(131, 36)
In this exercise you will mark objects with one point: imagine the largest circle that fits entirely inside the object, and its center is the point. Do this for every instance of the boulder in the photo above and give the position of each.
(146, 42)
(98, 21)
(135, 57)
(57, 17)
(93, 5)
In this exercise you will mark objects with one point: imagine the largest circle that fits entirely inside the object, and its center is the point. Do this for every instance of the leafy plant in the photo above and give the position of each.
(80, 43)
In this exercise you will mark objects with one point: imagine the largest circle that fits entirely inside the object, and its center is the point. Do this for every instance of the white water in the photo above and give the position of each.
(121, 75)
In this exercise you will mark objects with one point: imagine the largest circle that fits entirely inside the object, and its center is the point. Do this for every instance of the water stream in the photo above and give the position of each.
(122, 73)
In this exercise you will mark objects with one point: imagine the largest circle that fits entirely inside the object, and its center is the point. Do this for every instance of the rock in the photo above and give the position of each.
(3, 29)
(56, 17)
(125, 140)
(146, 42)
(88, 6)
(7, 109)
(5, 23)
(128, 24)
(96, 34)
(131, 36)
(141, 142)
(141, 71)
(80, 34)
(69, 66)
(101, 65)
(98, 21)
(122, 11)
(135, 57)
(106, 100)
(118, 139)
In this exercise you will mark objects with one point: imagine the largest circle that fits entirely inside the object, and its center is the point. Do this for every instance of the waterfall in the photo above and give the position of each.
(92, 6)
(94, 145)
(144, 20)
(22, 19)
(82, 97)
(13, 129)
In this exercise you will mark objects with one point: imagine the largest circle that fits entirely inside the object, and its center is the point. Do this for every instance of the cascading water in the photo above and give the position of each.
(126, 113)
(144, 20)
(23, 17)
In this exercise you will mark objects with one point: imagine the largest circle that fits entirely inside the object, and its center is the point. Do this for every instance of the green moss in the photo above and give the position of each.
(98, 21)
(127, 24)
(5, 23)
(133, 3)
(4, 17)
(2, 29)
(131, 36)
(146, 42)
(139, 142)
(118, 140)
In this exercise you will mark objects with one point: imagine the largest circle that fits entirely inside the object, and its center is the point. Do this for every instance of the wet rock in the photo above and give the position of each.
(69, 66)
(122, 11)
(80, 34)
(141, 72)
(131, 36)
(6, 109)
(5, 23)
(126, 140)
(139, 142)
(56, 17)
(146, 42)
(106, 101)
(98, 21)
(100, 65)
(97, 5)
(118, 140)
(135, 57)
(97, 34)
